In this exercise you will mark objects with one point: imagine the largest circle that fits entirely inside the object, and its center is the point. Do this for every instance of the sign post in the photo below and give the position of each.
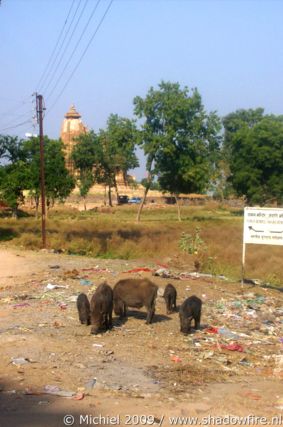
(262, 226)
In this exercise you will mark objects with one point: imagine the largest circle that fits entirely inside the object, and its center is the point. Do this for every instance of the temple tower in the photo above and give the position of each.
(72, 127)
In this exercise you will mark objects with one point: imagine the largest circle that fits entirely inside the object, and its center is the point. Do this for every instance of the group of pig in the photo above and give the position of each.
(134, 293)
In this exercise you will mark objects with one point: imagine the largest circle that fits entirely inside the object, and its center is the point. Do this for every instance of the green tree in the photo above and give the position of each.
(58, 181)
(179, 139)
(118, 143)
(86, 154)
(13, 171)
(100, 157)
(255, 154)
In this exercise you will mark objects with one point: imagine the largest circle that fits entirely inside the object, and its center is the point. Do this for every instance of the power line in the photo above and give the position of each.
(63, 41)
(75, 49)
(15, 126)
(19, 116)
(56, 45)
(18, 106)
(82, 56)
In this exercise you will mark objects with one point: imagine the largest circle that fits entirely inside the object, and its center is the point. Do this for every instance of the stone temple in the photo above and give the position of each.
(72, 127)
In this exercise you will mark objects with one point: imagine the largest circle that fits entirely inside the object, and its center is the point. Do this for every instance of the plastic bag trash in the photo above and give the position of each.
(162, 272)
(73, 298)
(51, 287)
(86, 282)
(139, 269)
(160, 292)
(211, 330)
(227, 333)
(63, 305)
(20, 360)
(176, 359)
(237, 304)
(245, 362)
(90, 384)
(79, 396)
(55, 390)
(21, 305)
(233, 347)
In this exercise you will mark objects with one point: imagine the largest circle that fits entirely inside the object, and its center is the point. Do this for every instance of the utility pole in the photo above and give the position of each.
(39, 110)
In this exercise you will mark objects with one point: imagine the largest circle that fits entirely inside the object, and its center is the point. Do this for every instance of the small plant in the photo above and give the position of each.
(192, 244)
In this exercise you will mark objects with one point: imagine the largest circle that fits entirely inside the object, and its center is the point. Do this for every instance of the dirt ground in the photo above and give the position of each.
(51, 366)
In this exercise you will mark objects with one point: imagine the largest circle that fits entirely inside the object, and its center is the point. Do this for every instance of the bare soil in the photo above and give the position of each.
(137, 369)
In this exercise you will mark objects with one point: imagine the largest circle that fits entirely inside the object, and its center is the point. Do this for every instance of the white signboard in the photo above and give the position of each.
(263, 226)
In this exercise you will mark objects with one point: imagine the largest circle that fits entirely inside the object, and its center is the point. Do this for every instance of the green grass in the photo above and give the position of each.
(115, 234)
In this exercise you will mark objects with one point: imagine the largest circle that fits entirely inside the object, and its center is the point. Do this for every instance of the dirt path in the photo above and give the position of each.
(135, 369)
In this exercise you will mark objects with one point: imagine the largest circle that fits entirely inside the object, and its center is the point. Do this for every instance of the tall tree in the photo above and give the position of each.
(58, 181)
(100, 157)
(86, 154)
(255, 154)
(179, 139)
(13, 173)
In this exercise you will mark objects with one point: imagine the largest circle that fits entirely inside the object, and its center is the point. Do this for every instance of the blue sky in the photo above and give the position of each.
(231, 50)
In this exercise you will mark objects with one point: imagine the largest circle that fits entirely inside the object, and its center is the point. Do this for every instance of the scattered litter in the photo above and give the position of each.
(139, 269)
(212, 330)
(98, 345)
(63, 305)
(245, 362)
(72, 274)
(232, 347)
(90, 384)
(21, 305)
(57, 391)
(79, 396)
(54, 267)
(43, 402)
(51, 287)
(86, 282)
(227, 333)
(252, 396)
(176, 359)
(20, 360)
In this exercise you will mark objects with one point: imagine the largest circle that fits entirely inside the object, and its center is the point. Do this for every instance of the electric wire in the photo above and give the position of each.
(74, 50)
(82, 56)
(19, 116)
(68, 43)
(15, 126)
(55, 47)
(61, 45)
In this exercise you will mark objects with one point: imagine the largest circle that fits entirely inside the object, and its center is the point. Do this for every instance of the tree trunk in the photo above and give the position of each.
(15, 212)
(149, 179)
(178, 207)
(84, 203)
(117, 191)
(105, 195)
(110, 196)
(36, 206)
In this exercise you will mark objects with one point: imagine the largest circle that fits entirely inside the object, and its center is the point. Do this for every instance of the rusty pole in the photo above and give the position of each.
(39, 104)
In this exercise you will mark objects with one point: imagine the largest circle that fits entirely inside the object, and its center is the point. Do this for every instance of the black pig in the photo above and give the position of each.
(189, 310)
(83, 307)
(135, 293)
(170, 296)
(101, 306)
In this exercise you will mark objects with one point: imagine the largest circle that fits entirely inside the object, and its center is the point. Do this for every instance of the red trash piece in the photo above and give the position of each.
(176, 359)
(79, 396)
(137, 270)
(233, 347)
(212, 330)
